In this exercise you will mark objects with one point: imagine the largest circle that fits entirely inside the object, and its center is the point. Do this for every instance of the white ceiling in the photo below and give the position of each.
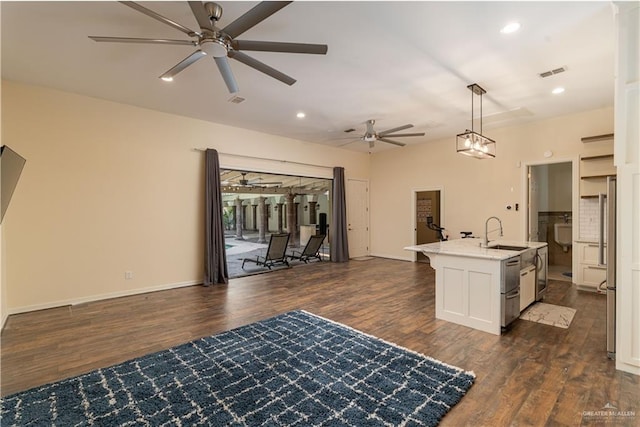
(395, 62)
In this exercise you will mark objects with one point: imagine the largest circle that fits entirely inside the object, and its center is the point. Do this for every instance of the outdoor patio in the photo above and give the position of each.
(238, 250)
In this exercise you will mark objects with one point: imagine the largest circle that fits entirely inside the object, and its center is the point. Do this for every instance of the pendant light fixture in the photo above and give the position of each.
(471, 143)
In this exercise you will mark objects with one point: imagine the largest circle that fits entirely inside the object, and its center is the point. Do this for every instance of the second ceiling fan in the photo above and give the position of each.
(371, 136)
(221, 43)
(244, 182)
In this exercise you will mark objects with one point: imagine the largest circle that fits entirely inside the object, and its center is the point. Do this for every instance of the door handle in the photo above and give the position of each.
(538, 260)
(512, 296)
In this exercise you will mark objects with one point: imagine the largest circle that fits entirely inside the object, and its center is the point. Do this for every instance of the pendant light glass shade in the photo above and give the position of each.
(471, 143)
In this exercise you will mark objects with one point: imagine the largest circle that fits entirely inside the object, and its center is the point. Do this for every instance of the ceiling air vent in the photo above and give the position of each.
(552, 72)
(236, 99)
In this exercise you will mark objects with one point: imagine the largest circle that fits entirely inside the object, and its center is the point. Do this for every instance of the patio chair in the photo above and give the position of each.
(276, 252)
(311, 250)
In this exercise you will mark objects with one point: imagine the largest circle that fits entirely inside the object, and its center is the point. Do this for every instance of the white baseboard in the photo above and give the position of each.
(93, 298)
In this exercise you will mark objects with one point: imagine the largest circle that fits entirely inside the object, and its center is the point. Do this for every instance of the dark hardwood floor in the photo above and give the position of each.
(534, 375)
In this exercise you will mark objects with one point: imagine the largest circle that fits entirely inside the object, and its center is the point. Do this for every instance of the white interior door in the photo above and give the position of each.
(533, 201)
(358, 217)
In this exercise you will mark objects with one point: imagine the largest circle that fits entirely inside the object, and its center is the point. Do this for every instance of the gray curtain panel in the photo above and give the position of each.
(338, 230)
(215, 262)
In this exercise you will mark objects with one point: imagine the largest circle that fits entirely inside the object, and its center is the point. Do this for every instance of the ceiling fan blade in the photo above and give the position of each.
(403, 134)
(262, 67)
(227, 74)
(183, 64)
(253, 17)
(159, 17)
(263, 46)
(390, 131)
(388, 141)
(138, 40)
(201, 15)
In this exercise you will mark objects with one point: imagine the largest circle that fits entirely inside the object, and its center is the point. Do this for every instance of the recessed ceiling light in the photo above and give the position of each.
(557, 90)
(511, 27)
(167, 79)
(301, 115)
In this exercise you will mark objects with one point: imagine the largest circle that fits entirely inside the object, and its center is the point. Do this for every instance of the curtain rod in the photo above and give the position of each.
(262, 158)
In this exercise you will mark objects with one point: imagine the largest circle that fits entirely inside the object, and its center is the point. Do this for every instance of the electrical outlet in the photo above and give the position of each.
(128, 275)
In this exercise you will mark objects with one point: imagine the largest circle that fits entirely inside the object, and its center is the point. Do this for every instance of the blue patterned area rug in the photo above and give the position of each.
(295, 369)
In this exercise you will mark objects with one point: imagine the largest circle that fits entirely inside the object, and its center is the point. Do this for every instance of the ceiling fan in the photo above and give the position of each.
(371, 136)
(222, 43)
(244, 182)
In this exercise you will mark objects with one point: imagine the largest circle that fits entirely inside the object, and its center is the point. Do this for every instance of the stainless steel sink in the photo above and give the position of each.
(508, 248)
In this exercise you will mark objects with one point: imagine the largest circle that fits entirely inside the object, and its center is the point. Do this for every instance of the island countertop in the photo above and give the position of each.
(469, 278)
(471, 248)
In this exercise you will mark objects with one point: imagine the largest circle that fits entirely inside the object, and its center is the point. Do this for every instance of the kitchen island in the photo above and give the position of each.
(469, 279)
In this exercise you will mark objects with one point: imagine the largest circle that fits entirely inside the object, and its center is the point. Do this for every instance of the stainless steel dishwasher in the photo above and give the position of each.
(510, 290)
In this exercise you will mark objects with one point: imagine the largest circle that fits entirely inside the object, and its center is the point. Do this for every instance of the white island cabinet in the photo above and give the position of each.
(468, 279)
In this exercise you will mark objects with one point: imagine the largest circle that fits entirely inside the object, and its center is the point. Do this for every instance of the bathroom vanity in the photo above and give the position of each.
(479, 287)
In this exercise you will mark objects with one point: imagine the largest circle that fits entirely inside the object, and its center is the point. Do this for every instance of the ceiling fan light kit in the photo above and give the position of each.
(220, 44)
(471, 143)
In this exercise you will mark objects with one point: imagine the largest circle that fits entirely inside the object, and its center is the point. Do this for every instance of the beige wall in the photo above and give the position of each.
(555, 193)
(472, 189)
(559, 188)
(4, 313)
(109, 188)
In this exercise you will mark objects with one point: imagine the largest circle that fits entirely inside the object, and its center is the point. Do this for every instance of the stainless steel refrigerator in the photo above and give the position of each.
(607, 257)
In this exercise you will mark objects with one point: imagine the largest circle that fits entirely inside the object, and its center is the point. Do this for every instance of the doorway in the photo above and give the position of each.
(550, 202)
(427, 210)
(259, 204)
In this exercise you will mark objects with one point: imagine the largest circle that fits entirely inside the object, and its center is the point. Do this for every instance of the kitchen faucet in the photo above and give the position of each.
(485, 243)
